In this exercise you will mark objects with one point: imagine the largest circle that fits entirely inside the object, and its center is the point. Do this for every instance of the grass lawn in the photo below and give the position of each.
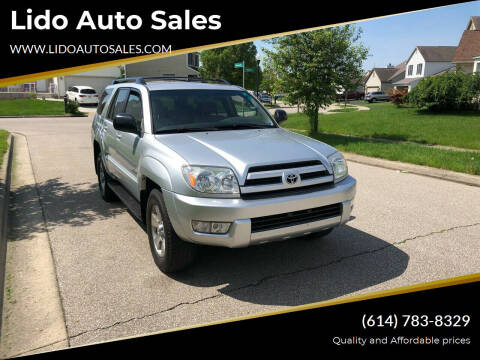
(3, 144)
(461, 161)
(386, 121)
(30, 106)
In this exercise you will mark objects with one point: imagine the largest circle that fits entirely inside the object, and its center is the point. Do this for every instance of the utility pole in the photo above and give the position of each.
(243, 69)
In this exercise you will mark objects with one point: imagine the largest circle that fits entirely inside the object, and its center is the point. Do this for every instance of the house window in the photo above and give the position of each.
(419, 69)
(477, 69)
(194, 60)
(410, 69)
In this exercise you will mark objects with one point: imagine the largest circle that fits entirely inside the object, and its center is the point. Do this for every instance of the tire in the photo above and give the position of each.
(169, 252)
(103, 179)
(318, 234)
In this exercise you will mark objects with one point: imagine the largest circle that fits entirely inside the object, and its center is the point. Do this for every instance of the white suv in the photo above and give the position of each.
(82, 95)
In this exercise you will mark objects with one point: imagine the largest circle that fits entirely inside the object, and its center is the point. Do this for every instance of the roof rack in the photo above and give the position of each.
(143, 80)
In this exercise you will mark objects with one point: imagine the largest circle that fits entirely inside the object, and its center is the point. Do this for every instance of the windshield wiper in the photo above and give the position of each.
(244, 126)
(187, 129)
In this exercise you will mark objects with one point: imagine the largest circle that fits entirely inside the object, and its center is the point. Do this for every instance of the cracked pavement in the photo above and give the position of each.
(406, 229)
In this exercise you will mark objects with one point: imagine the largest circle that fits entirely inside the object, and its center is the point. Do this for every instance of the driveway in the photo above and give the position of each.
(406, 229)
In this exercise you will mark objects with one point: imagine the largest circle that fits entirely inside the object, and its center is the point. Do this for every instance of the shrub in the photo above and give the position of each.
(397, 98)
(449, 91)
(72, 108)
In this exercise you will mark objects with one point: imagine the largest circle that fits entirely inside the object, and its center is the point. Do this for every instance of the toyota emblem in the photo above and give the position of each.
(291, 179)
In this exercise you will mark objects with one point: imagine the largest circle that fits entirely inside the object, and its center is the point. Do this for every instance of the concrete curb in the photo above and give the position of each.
(448, 175)
(5, 178)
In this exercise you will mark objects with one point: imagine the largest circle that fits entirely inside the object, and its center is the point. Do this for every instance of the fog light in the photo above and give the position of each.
(220, 227)
(201, 226)
(209, 227)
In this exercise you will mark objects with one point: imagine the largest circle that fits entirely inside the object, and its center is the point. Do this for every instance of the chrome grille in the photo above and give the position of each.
(285, 177)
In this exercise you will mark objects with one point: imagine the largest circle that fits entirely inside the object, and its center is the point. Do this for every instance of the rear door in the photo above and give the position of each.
(111, 136)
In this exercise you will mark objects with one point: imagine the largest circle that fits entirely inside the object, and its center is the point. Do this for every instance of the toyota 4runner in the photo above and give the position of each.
(200, 161)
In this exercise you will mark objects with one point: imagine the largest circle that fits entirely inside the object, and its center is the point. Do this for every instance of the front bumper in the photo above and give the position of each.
(183, 209)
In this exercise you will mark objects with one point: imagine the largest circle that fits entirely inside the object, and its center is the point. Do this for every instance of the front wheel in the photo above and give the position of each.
(170, 253)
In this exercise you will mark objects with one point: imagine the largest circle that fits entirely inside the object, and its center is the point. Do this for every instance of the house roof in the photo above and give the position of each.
(406, 81)
(468, 47)
(400, 68)
(387, 74)
(437, 53)
(475, 20)
(384, 74)
(452, 68)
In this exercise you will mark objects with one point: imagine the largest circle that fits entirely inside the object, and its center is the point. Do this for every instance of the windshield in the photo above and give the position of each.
(201, 110)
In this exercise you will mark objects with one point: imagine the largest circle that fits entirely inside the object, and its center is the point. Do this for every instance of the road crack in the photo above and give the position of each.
(275, 276)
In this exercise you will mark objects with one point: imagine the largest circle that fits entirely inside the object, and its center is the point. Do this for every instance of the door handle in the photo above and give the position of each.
(119, 136)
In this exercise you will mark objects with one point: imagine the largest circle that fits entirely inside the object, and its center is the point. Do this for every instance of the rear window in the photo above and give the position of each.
(87, 91)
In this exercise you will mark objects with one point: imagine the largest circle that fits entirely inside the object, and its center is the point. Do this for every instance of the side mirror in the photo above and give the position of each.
(125, 123)
(280, 116)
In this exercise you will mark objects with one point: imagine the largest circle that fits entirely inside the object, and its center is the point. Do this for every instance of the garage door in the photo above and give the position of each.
(98, 83)
(372, 89)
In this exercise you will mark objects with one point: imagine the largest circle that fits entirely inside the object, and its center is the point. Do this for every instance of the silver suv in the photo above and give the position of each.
(203, 162)
(376, 96)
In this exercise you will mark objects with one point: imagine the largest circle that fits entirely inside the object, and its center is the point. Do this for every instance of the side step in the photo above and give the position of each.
(130, 202)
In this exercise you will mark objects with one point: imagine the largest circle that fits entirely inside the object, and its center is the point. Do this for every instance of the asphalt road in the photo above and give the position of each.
(407, 229)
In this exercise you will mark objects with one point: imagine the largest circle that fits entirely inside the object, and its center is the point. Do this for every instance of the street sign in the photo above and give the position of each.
(238, 65)
(250, 70)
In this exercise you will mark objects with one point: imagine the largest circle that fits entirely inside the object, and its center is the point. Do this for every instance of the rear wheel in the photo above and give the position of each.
(107, 194)
(169, 252)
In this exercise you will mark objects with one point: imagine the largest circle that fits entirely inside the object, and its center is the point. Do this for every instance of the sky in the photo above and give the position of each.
(393, 39)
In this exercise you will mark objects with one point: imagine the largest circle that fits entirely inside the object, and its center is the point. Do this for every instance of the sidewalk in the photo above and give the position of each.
(33, 318)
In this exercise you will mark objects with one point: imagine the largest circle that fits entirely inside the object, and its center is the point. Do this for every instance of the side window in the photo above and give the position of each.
(119, 104)
(70, 89)
(103, 100)
(74, 89)
(134, 107)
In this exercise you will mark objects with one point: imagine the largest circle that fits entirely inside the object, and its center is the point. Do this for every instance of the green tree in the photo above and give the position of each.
(312, 66)
(218, 63)
(270, 82)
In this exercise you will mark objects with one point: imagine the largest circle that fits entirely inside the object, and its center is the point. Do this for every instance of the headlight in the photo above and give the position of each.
(213, 180)
(339, 166)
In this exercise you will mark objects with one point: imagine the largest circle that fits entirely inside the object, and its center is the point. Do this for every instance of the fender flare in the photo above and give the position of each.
(156, 172)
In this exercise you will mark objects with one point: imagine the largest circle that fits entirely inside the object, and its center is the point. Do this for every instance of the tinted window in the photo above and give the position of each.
(74, 89)
(103, 100)
(120, 101)
(88, 91)
(134, 107)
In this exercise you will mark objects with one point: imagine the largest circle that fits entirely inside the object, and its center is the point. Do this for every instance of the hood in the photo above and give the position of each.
(241, 149)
